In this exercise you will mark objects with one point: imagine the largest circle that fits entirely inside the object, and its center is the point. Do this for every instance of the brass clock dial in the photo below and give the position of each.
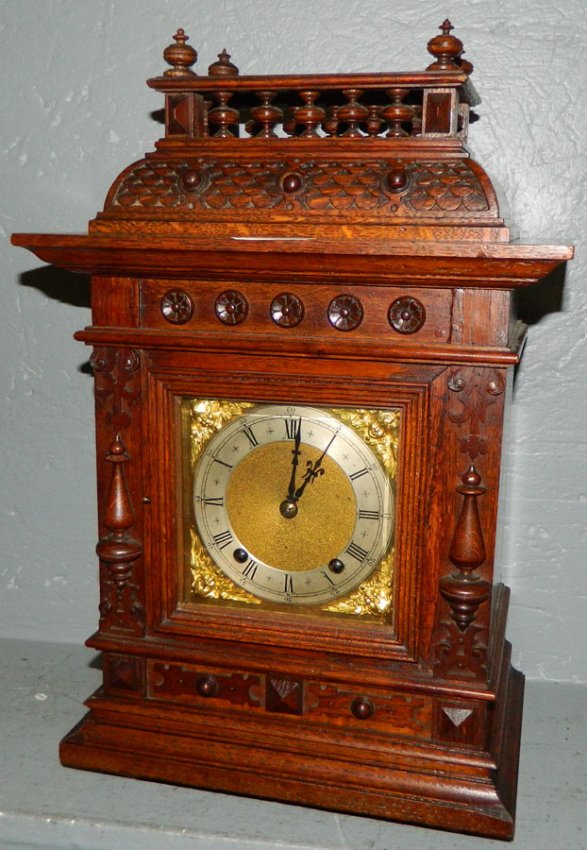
(292, 505)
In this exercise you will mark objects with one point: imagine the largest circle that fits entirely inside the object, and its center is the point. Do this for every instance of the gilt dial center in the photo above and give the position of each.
(325, 514)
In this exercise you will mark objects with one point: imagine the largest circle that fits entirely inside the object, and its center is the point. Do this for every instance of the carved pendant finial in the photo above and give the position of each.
(463, 590)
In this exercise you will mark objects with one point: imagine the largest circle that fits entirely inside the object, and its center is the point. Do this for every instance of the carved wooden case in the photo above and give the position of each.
(324, 241)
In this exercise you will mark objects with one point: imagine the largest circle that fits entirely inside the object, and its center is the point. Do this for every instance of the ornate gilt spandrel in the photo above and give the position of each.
(204, 581)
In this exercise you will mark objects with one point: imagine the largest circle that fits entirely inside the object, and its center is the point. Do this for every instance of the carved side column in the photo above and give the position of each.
(473, 405)
(117, 387)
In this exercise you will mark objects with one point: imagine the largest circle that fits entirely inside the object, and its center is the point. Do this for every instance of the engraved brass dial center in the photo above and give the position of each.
(319, 526)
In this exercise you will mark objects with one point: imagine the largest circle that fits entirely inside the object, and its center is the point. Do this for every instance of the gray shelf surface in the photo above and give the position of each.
(44, 805)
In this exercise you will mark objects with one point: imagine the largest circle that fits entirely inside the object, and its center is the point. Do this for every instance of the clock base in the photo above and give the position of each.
(457, 789)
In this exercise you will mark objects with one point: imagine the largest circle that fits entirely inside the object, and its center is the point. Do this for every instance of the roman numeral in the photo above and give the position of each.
(369, 514)
(288, 583)
(250, 569)
(291, 428)
(215, 501)
(223, 539)
(356, 551)
(358, 473)
(250, 436)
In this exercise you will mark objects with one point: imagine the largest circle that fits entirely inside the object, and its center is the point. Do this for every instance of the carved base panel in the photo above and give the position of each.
(359, 772)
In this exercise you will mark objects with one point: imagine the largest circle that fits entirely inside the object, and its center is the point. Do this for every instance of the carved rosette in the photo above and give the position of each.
(117, 388)
(406, 315)
(177, 307)
(287, 310)
(345, 313)
(231, 307)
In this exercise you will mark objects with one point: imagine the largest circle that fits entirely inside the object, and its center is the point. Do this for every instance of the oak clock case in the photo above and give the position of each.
(303, 336)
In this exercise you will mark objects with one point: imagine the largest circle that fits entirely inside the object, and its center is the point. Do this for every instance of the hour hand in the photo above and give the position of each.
(313, 470)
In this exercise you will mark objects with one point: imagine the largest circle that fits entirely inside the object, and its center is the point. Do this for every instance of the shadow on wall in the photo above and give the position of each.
(67, 287)
(534, 302)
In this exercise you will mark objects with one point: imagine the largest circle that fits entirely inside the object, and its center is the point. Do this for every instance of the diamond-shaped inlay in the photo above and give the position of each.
(124, 673)
(463, 724)
(284, 695)
(457, 716)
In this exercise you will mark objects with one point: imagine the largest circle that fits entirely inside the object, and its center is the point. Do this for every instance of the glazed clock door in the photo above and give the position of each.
(283, 510)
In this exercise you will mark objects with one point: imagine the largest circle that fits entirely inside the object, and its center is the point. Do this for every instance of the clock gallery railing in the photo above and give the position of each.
(432, 104)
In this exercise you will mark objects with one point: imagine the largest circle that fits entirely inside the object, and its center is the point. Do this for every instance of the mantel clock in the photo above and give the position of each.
(303, 337)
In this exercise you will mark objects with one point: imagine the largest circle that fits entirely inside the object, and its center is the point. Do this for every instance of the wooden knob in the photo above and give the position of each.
(362, 708)
(397, 180)
(190, 179)
(291, 182)
(207, 686)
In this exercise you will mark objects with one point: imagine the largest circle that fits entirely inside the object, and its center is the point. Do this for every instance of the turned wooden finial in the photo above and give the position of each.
(118, 549)
(223, 67)
(180, 56)
(445, 48)
(463, 589)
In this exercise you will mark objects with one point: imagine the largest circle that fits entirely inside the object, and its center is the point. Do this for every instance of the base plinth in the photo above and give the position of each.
(454, 789)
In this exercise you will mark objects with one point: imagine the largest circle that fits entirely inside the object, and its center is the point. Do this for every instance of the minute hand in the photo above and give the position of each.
(314, 470)
(294, 463)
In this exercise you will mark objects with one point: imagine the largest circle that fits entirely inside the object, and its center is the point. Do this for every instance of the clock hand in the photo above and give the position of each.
(313, 470)
(294, 463)
(288, 508)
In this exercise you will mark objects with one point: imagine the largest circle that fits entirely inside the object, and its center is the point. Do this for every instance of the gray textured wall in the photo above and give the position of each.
(75, 111)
